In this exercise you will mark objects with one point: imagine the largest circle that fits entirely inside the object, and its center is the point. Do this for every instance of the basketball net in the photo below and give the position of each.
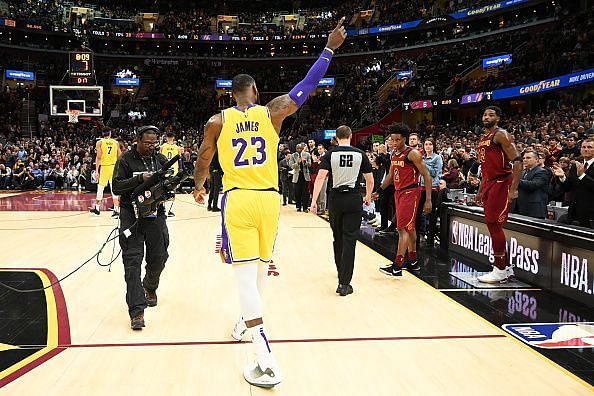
(73, 116)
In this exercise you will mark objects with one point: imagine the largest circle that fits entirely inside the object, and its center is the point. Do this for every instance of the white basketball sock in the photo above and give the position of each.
(263, 351)
(247, 284)
(99, 198)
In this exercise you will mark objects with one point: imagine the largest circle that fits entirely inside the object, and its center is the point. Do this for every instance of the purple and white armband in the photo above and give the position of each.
(301, 91)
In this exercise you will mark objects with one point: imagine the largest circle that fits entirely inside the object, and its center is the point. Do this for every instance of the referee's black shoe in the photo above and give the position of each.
(391, 270)
(344, 290)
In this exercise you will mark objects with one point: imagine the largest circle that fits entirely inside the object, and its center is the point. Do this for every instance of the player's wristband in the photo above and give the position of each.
(330, 50)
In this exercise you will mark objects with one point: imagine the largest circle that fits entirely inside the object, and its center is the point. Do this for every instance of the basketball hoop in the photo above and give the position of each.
(73, 116)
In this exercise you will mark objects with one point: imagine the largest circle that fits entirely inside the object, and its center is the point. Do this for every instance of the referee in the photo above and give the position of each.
(345, 164)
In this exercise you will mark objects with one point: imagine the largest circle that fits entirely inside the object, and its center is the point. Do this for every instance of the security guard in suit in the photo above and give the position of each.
(132, 169)
(345, 164)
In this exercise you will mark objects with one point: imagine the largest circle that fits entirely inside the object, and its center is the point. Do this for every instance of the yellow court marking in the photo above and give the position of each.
(7, 347)
(52, 326)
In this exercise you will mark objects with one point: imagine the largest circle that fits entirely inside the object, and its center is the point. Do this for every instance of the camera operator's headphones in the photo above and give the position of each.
(142, 130)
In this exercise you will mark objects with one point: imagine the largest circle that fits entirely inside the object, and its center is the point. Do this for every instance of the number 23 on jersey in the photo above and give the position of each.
(240, 145)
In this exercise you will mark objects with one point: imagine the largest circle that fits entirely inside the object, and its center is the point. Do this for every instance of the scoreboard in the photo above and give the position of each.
(81, 69)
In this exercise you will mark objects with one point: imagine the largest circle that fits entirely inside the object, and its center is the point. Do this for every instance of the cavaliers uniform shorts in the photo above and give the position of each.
(250, 225)
(407, 202)
(495, 203)
(105, 174)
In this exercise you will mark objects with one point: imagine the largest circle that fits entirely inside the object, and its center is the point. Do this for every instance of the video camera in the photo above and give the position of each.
(160, 187)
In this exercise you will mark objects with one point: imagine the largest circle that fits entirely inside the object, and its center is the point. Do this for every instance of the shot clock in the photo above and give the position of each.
(81, 68)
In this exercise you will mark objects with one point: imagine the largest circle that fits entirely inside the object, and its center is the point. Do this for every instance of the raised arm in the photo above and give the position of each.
(283, 106)
(212, 131)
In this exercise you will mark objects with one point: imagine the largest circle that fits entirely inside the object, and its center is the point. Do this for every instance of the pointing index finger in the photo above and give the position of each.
(339, 23)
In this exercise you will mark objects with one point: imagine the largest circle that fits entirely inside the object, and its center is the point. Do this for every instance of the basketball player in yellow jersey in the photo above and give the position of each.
(170, 150)
(246, 137)
(108, 151)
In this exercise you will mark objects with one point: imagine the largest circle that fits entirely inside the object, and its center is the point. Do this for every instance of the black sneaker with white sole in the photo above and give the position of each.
(413, 266)
(391, 270)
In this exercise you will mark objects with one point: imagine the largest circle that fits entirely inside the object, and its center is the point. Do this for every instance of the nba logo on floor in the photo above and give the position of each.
(554, 335)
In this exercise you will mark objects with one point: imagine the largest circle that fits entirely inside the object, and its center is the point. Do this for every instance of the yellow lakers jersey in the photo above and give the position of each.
(247, 149)
(109, 151)
(169, 150)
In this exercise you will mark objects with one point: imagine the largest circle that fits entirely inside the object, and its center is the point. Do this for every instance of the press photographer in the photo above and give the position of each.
(134, 169)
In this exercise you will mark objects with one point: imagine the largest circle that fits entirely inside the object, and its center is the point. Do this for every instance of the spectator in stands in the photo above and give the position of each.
(82, 177)
(37, 174)
(452, 176)
(22, 178)
(571, 150)
(322, 199)
(552, 151)
(471, 184)
(71, 177)
(434, 164)
(300, 162)
(311, 147)
(533, 189)
(580, 181)
(285, 178)
(5, 177)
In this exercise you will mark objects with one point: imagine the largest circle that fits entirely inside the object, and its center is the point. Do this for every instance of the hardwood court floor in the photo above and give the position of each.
(392, 336)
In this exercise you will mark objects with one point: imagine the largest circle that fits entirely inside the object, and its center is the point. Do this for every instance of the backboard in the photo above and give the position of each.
(89, 100)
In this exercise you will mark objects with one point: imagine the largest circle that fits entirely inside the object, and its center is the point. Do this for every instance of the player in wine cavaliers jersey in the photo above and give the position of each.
(498, 188)
(407, 164)
(246, 138)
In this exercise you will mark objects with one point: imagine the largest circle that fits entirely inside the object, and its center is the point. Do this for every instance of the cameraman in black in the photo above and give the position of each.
(132, 169)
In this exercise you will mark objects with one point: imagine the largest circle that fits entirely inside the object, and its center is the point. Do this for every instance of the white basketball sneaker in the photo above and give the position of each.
(263, 374)
(495, 276)
(239, 330)
(510, 273)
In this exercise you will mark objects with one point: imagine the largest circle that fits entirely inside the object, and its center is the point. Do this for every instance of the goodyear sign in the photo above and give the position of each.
(20, 75)
(224, 84)
(550, 84)
(395, 27)
(487, 9)
(128, 82)
(497, 61)
(326, 82)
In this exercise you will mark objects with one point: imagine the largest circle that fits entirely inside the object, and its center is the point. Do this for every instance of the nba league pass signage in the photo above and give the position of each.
(573, 274)
(528, 254)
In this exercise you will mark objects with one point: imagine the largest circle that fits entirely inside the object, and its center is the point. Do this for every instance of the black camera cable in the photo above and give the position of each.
(110, 238)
